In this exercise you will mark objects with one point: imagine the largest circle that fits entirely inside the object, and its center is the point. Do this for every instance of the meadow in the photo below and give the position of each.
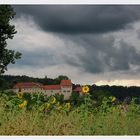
(23, 114)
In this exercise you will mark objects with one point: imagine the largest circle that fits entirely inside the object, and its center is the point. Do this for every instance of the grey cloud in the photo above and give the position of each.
(102, 56)
(99, 55)
(76, 19)
(39, 59)
(138, 34)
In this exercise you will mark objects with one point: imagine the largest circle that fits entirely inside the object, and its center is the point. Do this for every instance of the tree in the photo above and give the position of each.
(7, 31)
(74, 98)
(99, 95)
(60, 78)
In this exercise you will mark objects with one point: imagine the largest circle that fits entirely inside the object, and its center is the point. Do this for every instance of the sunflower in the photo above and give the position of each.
(113, 99)
(20, 95)
(59, 107)
(22, 105)
(67, 105)
(85, 89)
(53, 100)
(48, 105)
(25, 103)
(58, 104)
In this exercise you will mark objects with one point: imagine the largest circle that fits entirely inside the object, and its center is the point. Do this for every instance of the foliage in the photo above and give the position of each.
(60, 78)
(8, 81)
(97, 92)
(75, 98)
(32, 114)
(59, 97)
(100, 95)
(7, 31)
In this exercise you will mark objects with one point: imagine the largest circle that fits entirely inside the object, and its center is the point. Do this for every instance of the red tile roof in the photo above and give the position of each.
(27, 85)
(66, 83)
(78, 89)
(47, 87)
(52, 87)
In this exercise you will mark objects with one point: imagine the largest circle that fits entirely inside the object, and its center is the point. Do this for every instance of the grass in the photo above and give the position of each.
(32, 123)
(36, 123)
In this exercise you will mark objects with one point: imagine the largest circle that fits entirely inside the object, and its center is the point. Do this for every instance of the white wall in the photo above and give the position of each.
(28, 90)
(51, 92)
(66, 91)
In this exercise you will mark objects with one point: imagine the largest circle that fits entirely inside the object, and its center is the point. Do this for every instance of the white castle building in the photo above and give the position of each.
(64, 88)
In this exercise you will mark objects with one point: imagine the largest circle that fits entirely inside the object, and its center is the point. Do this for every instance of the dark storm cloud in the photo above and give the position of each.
(102, 56)
(74, 19)
(95, 52)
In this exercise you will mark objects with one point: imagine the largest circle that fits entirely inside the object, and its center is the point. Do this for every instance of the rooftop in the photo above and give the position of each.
(78, 89)
(45, 87)
(27, 85)
(51, 87)
(66, 83)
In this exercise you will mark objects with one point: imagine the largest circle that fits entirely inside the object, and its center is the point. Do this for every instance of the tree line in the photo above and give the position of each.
(97, 92)
(8, 81)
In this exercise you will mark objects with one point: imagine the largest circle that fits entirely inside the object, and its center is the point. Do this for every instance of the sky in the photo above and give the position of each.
(88, 43)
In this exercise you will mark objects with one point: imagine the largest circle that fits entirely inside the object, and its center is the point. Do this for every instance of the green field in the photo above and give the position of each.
(55, 118)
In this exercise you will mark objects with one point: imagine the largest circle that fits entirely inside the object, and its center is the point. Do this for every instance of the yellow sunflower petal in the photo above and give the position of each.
(113, 99)
(20, 95)
(85, 89)
(53, 100)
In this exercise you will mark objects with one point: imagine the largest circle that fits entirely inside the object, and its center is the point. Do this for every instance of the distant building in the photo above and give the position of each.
(78, 90)
(64, 88)
(29, 87)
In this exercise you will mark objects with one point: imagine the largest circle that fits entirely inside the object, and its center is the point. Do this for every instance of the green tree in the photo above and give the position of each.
(60, 78)
(74, 97)
(99, 95)
(7, 31)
